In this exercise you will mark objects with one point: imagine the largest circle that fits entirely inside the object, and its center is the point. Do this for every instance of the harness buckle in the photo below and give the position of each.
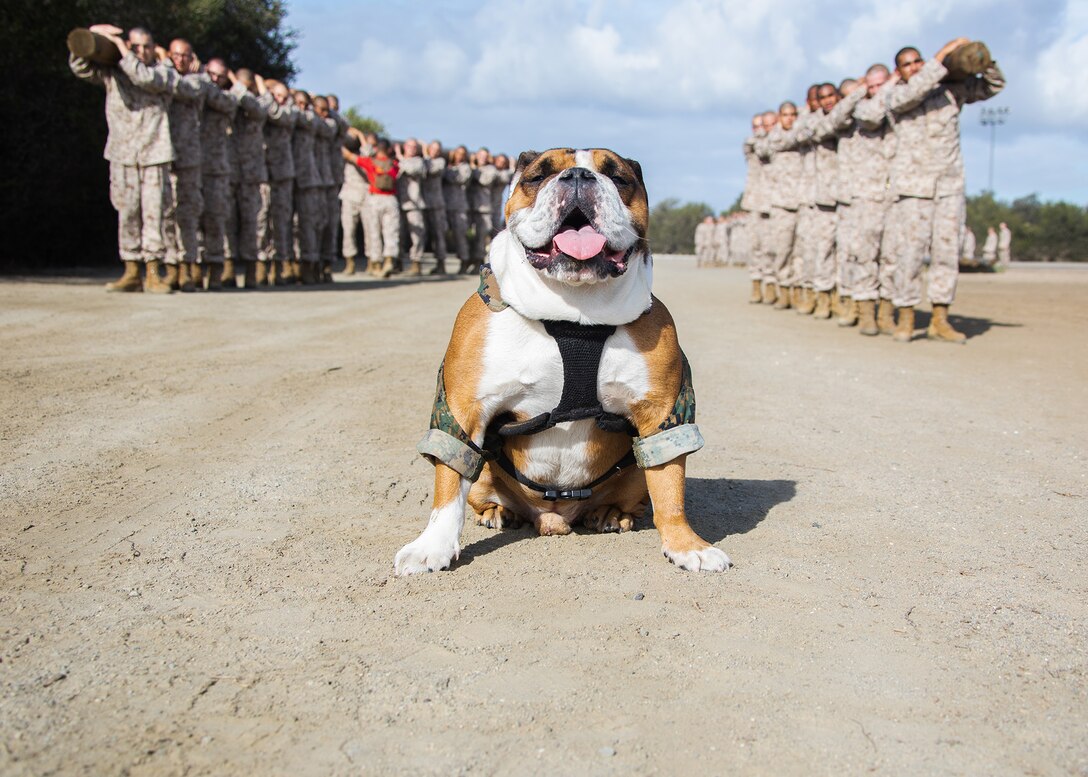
(578, 494)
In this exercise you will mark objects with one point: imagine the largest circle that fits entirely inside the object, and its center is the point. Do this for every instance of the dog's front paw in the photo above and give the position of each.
(495, 516)
(708, 559)
(426, 554)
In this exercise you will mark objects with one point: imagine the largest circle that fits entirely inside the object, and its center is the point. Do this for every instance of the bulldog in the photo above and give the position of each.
(564, 397)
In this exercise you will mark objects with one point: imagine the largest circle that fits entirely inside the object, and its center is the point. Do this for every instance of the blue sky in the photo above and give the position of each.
(673, 84)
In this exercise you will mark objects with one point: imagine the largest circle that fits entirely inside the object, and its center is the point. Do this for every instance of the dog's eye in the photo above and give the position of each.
(535, 178)
(619, 180)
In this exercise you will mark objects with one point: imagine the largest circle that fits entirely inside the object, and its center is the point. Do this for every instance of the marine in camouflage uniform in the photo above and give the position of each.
(455, 194)
(139, 151)
(503, 176)
(325, 136)
(330, 248)
(781, 148)
(720, 242)
(182, 221)
(280, 159)
(835, 116)
(307, 194)
(219, 109)
(353, 194)
(866, 264)
(928, 183)
(483, 177)
(247, 213)
(434, 204)
(757, 205)
(413, 170)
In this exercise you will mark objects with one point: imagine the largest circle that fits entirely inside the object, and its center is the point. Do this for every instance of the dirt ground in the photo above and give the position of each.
(201, 497)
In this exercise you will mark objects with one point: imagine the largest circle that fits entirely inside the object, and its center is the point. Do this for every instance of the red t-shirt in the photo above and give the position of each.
(367, 164)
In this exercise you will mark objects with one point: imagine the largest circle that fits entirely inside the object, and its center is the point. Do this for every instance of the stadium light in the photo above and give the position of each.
(993, 118)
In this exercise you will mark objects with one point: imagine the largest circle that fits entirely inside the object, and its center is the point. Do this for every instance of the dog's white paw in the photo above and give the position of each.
(426, 554)
(708, 559)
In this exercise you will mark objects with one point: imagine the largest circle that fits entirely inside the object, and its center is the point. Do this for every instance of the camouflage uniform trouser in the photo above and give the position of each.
(381, 226)
(436, 228)
(800, 268)
(140, 195)
(277, 231)
(213, 221)
(819, 260)
(351, 215)
(843, 224)
(1004, 256)
(927, 227)
(763, 248)
(247, 221)
(182, 221)
(459, 229)
(739, 249)
(308, 223)
(415, 226)
(330, 206)
(483, 223)
(721, 253)
(781, 234)
(863, 263)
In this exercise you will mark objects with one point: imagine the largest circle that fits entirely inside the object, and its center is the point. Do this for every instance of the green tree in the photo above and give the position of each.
(672, 225)
(365, 124)
(54, 194)
(1041, 231)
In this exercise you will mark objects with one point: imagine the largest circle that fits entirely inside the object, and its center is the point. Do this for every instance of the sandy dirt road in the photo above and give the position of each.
(201, 497)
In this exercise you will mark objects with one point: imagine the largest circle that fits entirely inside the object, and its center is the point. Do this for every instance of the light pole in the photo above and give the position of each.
(993, 118)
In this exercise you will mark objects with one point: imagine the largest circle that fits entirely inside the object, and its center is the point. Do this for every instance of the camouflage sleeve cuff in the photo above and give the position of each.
(664, 446)
(437, 445)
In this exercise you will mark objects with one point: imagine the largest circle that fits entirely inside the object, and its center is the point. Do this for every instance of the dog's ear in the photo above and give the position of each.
(638, 171)
(525, 158)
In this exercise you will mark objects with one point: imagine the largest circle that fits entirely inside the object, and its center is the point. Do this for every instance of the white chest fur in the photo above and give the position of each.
(523, 373)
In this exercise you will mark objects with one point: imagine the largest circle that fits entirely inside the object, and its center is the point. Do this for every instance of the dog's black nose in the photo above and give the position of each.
(577, 173)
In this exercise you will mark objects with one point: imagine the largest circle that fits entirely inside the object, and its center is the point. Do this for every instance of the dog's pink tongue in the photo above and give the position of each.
(584, 243)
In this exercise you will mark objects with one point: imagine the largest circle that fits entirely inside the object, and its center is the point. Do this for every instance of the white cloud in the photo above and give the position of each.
(1059, 75)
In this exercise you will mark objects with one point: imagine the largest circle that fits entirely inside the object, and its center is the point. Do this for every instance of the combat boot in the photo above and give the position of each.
(196, 272)
(823, 305)
(757, 293)
(185, 281)
(295, 275)
(215, 277)
(940, 329)
(836, 303)
(250, 277)
(387, 267)
(415, 270)
(229, 279)
(172, 277)
(374, 267)
(274, 270)
(807, 302)
(866, 310)
(848, 316)
(129, 280)
(349, 265)
(885, 317)
(153, 282)
(325, 276)
(439, 267)
(770, 293)
(784, 294)
(904, 329)
(307, 275)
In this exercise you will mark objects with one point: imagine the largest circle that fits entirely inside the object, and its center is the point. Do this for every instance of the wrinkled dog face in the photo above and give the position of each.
(582, 216)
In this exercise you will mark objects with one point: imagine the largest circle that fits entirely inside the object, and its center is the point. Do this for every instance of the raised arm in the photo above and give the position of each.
(219, 100)
(282, 115)
(974, 90)
(906, 96)
(85, 70)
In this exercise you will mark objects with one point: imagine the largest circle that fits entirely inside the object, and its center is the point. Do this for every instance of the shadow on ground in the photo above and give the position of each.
(719, 507)
(716, 508)
(970, 326)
